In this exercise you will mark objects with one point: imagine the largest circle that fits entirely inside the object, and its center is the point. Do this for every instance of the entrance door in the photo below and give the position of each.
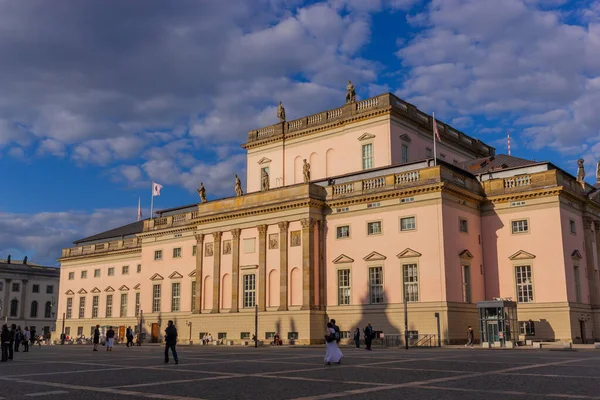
(493, 331)
(582, 330)
(154, 338)
(122, 333)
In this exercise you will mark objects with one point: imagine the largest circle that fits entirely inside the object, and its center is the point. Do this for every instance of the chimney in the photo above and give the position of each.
(8, 259)
(25, 261)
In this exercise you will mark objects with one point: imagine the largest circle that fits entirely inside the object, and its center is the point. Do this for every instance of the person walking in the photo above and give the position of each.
(128, 336)
(332, 351)
(337, 331)
(110, 338)
(18, 338)
(96, 337)
(357, 338)
(171, 342)
(470, 336)
(5, 342)
(26, 339)
(369, 333)
(11, 341)
(32, 336)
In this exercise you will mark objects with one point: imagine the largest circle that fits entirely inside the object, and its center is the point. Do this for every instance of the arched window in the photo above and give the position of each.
(34, 309)
(48, 310)
(14, 307)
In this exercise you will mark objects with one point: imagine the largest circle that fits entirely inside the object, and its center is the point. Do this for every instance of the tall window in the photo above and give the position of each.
(156, 298)
(194, 249)
(410, 277)
(193, 295)
(35, 289)
(524, 284)
(95, 305)
(139, 268)
(249, 290)
(177, 252)
(408, 224)
(404, 153)
(137, 304)
(520, 226)
(175, 296)
(48, 310)
(367, 156)
(14, 307)
(577, 284)
(123, 305)
(109, 304)
(466, 283)
(376, 285)
(463, 225)
(158, 254)
(34, 309)
(343, 287)
(374, 228)
(69, 307)
(573, 226)
(82, 307)
(343, 232)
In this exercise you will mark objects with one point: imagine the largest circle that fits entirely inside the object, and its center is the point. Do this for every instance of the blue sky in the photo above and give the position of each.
(99, 98)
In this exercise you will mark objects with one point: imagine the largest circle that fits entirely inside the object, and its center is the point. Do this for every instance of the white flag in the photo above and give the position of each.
(156, 189)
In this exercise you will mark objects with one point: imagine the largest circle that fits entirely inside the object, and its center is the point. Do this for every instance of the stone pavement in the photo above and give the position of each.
(75, 372)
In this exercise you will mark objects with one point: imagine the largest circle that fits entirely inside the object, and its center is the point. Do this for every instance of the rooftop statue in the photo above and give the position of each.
(202, 192)
(580, 172)
(306, 171)
(281, 112)
(350, 93)
(264, 185)
(238, 186)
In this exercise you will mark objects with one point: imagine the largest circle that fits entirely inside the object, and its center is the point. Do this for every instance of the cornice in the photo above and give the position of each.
(508, 197)
(171, 230)
(386, 195)
(102, 254)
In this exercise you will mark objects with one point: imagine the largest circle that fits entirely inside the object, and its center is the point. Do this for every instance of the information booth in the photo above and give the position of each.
(498, 323)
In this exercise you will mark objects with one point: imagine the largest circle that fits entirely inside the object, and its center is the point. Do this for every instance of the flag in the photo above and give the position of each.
(156, 189)
(435, 129)
(139, 210)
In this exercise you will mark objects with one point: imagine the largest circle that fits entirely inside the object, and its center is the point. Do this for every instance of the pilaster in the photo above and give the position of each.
(216, 271)
(308, 251)
(262, 267)
(235, 270)
(199, 255)
(593, 273)
(6, 301)
(23, 299)
(322, 274)
(283, 265)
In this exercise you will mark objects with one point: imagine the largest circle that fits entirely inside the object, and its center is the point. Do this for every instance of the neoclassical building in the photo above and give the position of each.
(348, 215)
(28, 294)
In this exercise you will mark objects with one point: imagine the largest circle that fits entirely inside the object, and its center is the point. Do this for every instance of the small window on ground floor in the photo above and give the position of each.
(269, 335)
(245, 335)
(222, 335)
(292, 335)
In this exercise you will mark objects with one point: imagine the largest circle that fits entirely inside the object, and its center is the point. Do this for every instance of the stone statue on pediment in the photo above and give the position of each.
(280, 112)
(264, 184)
(202, 192)
(598, 171)
(350, 93)
(238, 186)
(580, 172)
(306, 171)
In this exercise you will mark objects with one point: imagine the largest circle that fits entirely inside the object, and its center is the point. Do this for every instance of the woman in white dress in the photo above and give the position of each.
(332, 351)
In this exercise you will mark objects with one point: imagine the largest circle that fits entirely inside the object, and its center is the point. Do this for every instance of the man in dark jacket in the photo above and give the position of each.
(5, 340)
(13, 334)
(369, 333)
(96, 337)
(171, 342)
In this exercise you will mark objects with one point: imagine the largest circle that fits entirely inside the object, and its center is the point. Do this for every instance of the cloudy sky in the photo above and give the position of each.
(100, 97)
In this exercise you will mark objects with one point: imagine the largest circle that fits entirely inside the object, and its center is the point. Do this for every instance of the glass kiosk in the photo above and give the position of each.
(498, 326)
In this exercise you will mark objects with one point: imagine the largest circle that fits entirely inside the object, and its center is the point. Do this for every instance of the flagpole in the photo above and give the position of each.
(152, 200)
(139, 210)
(434, 141)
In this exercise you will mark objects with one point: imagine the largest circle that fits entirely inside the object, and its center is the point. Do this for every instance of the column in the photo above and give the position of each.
(23, 299)
(216, 272)
(593, 270)
(308, 251)
(283, 265)
(235, 270)
(6, 301)
(199, 259)
(322, 275)
(262, 267)
(588, 232)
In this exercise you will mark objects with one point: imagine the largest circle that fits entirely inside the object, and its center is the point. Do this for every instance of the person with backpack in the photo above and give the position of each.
(332, 351)
(337, 331)
(369, 336)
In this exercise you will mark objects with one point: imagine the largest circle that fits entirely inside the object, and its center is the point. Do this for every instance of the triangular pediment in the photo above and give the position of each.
(466, 254)
(341, 259)
(521, 255)
(408, 253)
(95, 290)
(123, 288)
(137, 287)
(406, 138)
(82, 291)
(374, 256)
(576, 254)
(175, 275)
(264, 160)
(192, 274)
(366, 136)
(69, 292)
(156, 277)
(109, 289)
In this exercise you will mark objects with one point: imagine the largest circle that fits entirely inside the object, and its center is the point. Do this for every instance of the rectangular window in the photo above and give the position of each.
(527, 328)
(367, 156)
(194, 250)
(35, 289)
(292, 335)
(79, 330)
(68, 331)
(410, 277)
(125, 270)
(123, 305)
(244, 335)
(572, 226)
(343, 287)
(408, 224)
(71, 276)
(139, 268)
(463, 225)
(376, 285)
(109, 304)
(577, 284)
(222, 335)
(269, 335)
(82, 307)
(1, 286)
(83, 274)
(69, 308)
(520, 226)
(428, 153)
(404, 153)
(137, 304)
(249, 290)
(524, 284)
(158, 254)
(156, 298)
(111, 271)
(466, 283)
(16, 287)
(95, 306)
(96, 273)
(343, 232)
(193, 296)
(175, 296)
(177, 252)
(374, 228)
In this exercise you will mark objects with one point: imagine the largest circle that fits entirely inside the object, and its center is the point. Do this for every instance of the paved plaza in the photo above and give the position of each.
(75, 372)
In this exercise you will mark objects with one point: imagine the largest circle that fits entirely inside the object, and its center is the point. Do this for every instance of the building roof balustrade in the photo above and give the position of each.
(533, 181)
(99, 248)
